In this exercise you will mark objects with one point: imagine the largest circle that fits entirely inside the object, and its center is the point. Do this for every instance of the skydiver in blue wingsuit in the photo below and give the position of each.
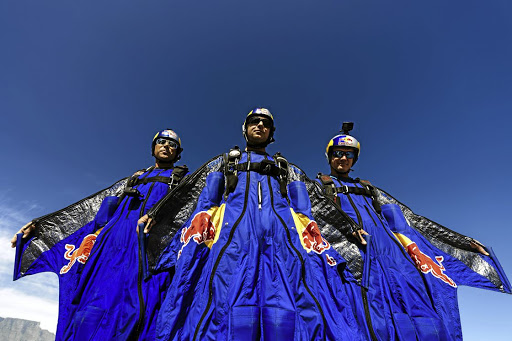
(249, 262)
(407, 286)
(95, 253)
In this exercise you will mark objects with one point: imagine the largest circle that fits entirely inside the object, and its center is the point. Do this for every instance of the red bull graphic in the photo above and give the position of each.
(79, 255)
(330, 260)
(428, 265)
(312, 239)
(201, 230)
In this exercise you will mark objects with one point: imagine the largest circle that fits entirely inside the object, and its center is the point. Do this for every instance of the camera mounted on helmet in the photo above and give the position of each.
(343, 140)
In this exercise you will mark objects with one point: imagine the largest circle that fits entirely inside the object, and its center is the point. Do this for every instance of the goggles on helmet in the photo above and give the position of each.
(350, 154)
(164, 142)
(257, 119)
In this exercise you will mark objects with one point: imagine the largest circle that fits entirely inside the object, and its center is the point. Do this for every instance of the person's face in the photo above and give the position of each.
(341, 164)
(165, 150)
(258, 129)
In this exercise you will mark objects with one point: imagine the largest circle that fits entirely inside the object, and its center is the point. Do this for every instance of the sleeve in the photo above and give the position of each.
(57, 235)
(442, 252)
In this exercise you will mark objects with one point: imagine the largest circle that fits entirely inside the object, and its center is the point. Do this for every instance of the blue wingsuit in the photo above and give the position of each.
(408, 287)
(102, 292)
(251, 264)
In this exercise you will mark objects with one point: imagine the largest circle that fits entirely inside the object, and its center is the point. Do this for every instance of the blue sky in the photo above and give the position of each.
(84, 86)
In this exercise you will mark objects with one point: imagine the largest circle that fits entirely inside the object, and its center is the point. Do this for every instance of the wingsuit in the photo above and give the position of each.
(249, 261)
(406, 286)
(103, 294)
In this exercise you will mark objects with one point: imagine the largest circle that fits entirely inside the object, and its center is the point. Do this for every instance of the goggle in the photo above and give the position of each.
(164, 142)
(257, 119)
(340, 153)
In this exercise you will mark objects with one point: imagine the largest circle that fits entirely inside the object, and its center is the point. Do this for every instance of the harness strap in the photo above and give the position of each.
(231, 160)
(282, 164)
(177, 174)
(265, 167)
(374, 194)
(277, 168)
(329, 187)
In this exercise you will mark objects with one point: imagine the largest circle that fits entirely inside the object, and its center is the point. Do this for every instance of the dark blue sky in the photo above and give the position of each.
(84, 86)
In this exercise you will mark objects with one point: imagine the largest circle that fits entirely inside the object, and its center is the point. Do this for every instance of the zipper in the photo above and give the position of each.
(363, 289)
(302, 266)
(259, 195)
(360, 221)
(142, 304)
(221, 253)
(368, 211)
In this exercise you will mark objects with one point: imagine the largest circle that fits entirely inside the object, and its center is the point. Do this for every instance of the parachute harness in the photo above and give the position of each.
(277, 168)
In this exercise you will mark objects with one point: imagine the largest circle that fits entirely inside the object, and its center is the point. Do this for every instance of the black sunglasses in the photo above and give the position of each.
(340, 153)
(256, 120)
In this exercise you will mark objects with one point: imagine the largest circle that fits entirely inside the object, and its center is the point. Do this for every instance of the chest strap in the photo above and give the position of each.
(265, 167)
(368, 190)
(277, 168)
(177, 174)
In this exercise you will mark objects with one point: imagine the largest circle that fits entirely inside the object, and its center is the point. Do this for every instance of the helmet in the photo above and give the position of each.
(260, 112)
(343, 140)
(170, 135)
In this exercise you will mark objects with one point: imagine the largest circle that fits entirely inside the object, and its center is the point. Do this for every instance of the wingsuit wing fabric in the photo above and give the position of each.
(410, 271)
(458, 247)
(52, 246)
(250, 265)
(102, 294)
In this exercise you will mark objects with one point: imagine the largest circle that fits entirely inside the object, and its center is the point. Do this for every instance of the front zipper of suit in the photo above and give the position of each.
(302, 266)
(142, 304)
(363, 289)
(222, 251)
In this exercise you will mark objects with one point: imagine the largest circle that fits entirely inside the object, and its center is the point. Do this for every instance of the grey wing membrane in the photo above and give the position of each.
(335, 225)
(54, 227)
(453, 243)
(173, 211)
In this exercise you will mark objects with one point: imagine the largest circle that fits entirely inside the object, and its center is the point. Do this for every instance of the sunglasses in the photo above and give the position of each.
(164, 142)
(340, 153)
(256, 120)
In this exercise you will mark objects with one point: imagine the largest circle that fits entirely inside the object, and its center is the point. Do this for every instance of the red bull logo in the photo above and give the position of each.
(79, 255)
(330, 260)
(313, 240)
(428, 265)
(201, 230)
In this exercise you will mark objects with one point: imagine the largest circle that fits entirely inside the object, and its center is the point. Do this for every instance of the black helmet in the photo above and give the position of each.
(260, 112)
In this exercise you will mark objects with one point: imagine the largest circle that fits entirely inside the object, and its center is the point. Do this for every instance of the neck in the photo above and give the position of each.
(254, 149)
(163, 164)
(340, 175)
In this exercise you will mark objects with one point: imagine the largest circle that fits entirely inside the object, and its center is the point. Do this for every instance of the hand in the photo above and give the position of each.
(147, 222)
(475, 244)
(358, 235)
(26, 230)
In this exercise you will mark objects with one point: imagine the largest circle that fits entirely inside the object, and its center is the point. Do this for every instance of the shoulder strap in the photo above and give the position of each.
(231, 160)
(373, 194)
(329, 186)
(178, 173)
(282, 165)
(132, 181)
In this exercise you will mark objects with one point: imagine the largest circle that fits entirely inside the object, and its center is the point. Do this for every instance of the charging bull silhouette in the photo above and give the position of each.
(79, 255)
